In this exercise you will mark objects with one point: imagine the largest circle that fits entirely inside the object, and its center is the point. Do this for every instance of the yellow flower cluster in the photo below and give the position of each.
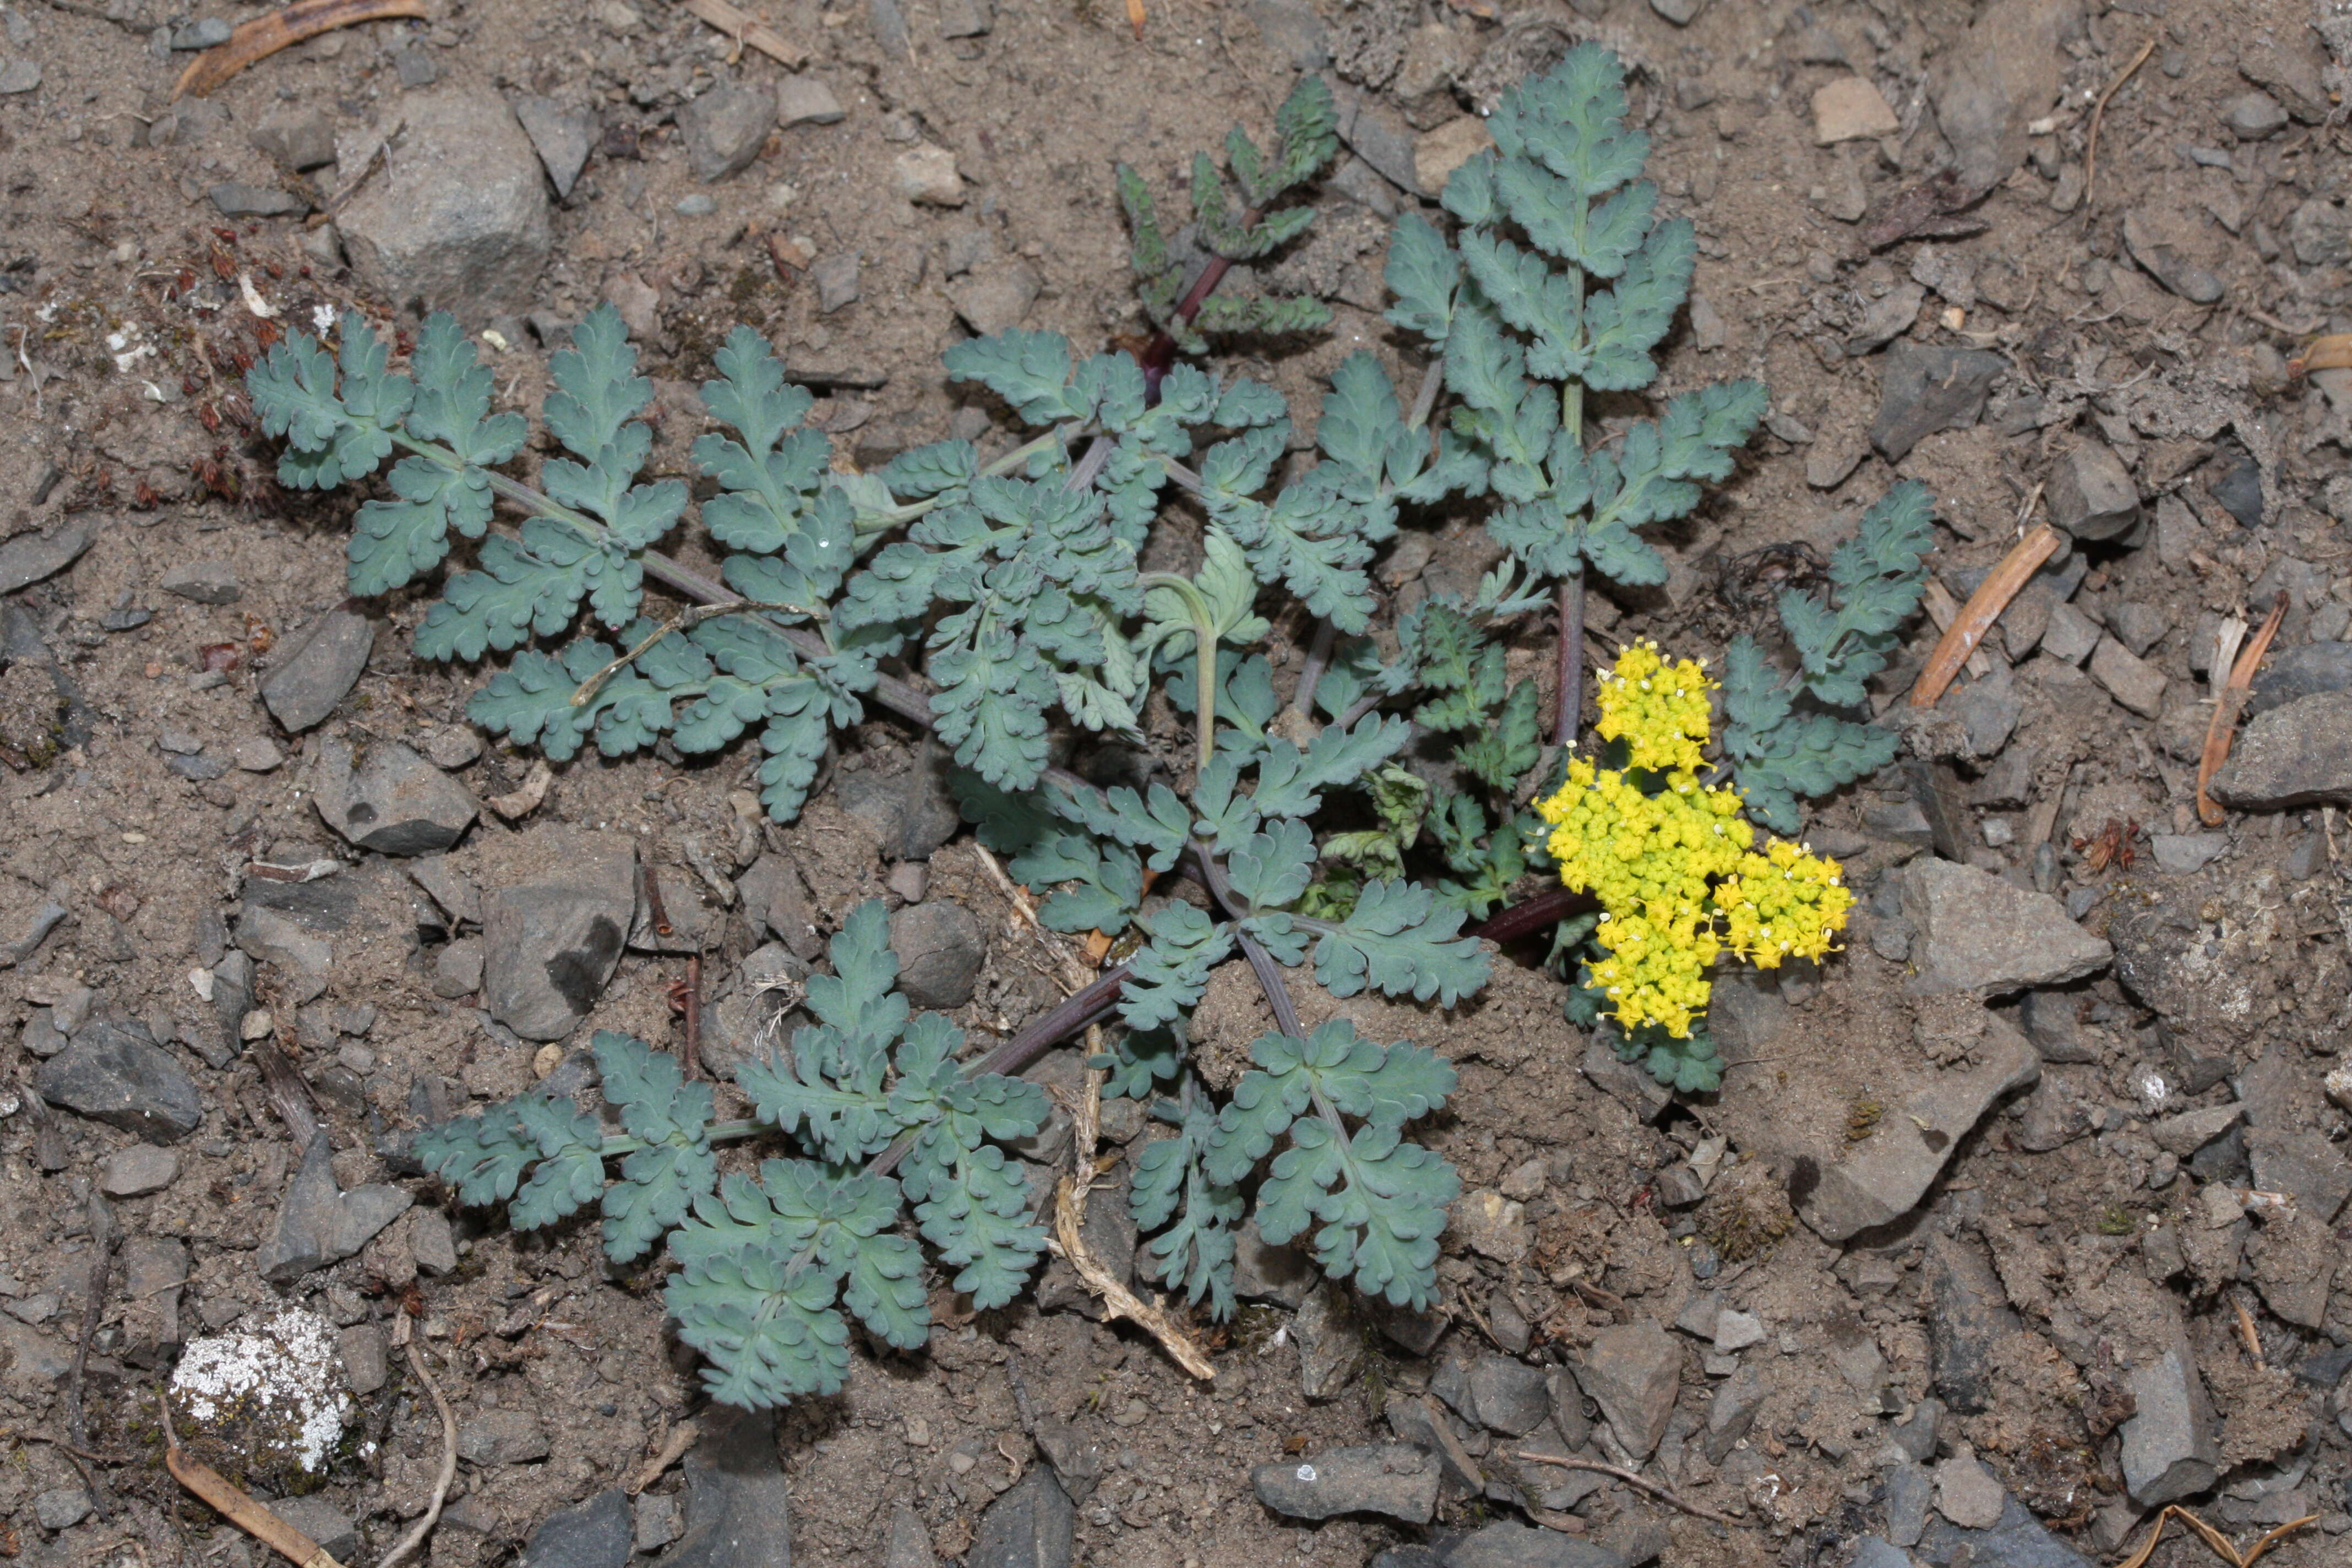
(1658, 710)
(1677, 873)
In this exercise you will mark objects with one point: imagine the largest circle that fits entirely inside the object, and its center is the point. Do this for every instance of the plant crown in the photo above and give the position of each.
(1355, 832)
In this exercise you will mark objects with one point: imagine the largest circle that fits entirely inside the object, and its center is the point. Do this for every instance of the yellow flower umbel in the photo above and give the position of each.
(1677, 872)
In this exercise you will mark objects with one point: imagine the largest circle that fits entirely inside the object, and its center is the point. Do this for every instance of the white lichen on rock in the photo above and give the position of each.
(268, 1400)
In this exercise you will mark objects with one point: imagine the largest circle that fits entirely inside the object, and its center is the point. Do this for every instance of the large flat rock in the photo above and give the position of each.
(1979, 933)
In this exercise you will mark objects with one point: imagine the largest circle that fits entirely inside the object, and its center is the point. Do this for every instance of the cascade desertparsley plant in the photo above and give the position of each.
(1011, 586)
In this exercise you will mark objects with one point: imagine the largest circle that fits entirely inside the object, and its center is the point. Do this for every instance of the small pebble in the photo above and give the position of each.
(257, 755)
(257, 1025)
(696, 206)
(452, 748)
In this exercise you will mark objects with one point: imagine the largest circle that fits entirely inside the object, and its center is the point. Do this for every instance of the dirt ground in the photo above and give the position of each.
(124, 327)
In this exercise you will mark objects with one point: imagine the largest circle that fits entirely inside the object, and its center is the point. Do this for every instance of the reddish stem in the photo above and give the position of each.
(1159, 355)
(1523, 919)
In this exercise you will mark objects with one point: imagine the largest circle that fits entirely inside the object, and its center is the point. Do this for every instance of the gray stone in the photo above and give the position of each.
(2240, 491)
(2299, 753)
(2252, 116)
(2069, 635)
(1982, 934)
(562, 137)
(1077, 1460)
(997, 299)
(415, 67)
(29, 557)
(2191, 1130)
(940, 948)
(1568, 1417)
(1634, 1087)
(1870, 1551)
(457, 970)
(386, 798)
(366, 1362)
(658, 1521)
(316, 1224)
(2133, 682)
(1265, 1272)
(595, 1534)
(111, 1075)
(1968, 1316)
(1294, 32)
(41, 1037)
(2018, 1541)
(1507, 1543)
(154, 1272)
(2179, 853)
(453, 747)
(1966, 1493)
(2162, 257)
(502, 1437)
(1509, 1397)
(1910, 1487)
(1737, 1331)
(2052, 1022)
(725, 129)
(2297, 672)
(297, 141)
(1031, 1526)
(1634, 1372)
(320, 672)
(458, 221)
(1330, 1341)
(964, 18)
(205, 582)
(135, 1171)
(1393, 1479)
(773, 895)
(550, 945)
(61, 1508)
(1885, 319)
(2090, 493)
(336, 1532)
(430, 1240)
(910, 1543)
(836, 275)
(1923, 389)
(1993, 81)
(20, 76)
(2303, 1163)
(805, 100)
(910, 811)
(233, 198)
(1378, 137)
(1881, 1178)
(2169, 1446)
(449, 887)
(1681, 13)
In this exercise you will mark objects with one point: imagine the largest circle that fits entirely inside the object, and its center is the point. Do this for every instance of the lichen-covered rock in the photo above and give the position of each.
(265, 1406)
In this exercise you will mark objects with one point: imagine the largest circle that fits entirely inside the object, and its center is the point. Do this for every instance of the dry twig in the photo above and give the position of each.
(2213, 1538)
(1070, 1215)
(102, 1270)
(1630, 1479)
(1943, 609)
(2222, 730)
(265, 35)
(2330, 350)
(682, 1436)
(424, 1527)
(1983, 608)
(2246, 1331)
(745, 28)
(2099, 113)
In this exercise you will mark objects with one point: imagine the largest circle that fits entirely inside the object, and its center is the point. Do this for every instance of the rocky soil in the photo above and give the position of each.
(2022, 1218)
